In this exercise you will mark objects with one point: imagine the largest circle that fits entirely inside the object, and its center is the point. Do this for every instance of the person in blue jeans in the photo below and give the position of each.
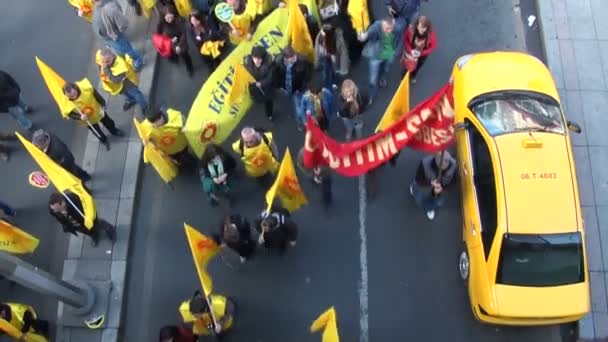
(380, 49)
(6, 211)
(12, 102)
(292, 73)
(404, 12)
(110, 24)
(433, 175)
(319, 103)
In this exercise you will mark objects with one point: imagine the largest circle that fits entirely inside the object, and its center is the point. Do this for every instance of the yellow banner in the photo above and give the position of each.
(212, 118)
(183, 7)
(15, 240)
(203, 249)
(327, 322)
(359, 14)
(286, 187)
(63, 180)
(86, 6)
(399, 106)
(147, 6)
(164, 166)
(55, 84)
(298, 34)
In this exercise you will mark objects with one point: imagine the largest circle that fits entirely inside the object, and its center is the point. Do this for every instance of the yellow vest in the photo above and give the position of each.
(86, 102)
(258, 7)
(200, 324)
(17, 312)
(258, 160)
(240, 22)
(120, 66)
(169, 137)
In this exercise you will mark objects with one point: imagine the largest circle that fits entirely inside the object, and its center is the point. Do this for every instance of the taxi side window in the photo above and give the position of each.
(485, 188)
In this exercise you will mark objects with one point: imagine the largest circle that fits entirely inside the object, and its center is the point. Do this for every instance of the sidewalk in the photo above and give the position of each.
(114, 183)
(575, 36)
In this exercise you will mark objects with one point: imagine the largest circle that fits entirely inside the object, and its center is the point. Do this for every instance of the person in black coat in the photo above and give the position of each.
(292, 75)
(59, 153)
(204, 28)
(235, 232)
(73, 222)
(259, 65)
(276, 229)
(174, 27)
(11, 101)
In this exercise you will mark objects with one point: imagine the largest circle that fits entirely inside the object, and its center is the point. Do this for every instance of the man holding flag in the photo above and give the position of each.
(276, 229)
(206, 321)
(90, 109)
(56, 149)
(164, 129)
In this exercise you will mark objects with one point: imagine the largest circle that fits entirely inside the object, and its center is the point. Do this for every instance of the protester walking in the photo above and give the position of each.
(259, 65)
(419, 42)
(380, 49)
(58, 151)
(235, 232)
(434, 174)
(210, 40)
(110, 24)
(276, 229)
(257, 151)
(322, 178)
(331, 55)
(69, 213)
(292, 75)
(172, 333)
(216, 167)
(118, 77)
(404, 11)
(164, 128)
(5, 151)
(173, 27)
(6, 211)
(197, 311)
(90, 110)
(350, 108)
(318, 102)
(24, 318)
(12, 102)
(311, 22)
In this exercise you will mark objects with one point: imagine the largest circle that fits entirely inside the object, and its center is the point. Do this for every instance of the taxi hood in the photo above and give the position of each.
(539, 189)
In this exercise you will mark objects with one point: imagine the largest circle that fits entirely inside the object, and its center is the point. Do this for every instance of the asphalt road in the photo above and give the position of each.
(414, 291)
(52, 31)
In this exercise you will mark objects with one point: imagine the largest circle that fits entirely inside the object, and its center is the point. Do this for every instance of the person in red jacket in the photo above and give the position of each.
(419, 40)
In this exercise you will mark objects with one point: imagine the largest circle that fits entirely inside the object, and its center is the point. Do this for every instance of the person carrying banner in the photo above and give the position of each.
(318, 102)
(118, 77)
(57, 150)
(215, 167)
(235, 232)
(68, 212)
(210, 40)
(380, 49)
(205, 321)
(292, 74)
(419, 42)
(164, 129)
(173, 27)
(90, 110)
(350, 108)
(23, 318)
(259, 65)
(257, 151)
(434, 173)
(276, 229)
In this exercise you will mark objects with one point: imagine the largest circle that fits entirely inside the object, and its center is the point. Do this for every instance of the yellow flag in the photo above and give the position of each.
(15, 240)
(55, 84)
(86, 6)
(400, 105)
(147, 6)
(287, 187)
(240, 84)
(63, 180)
(298, 34)
(164, 166)
(359, 14)
(211, 120)
(183, 7)
(327, 322)
(18, 335)
(203, 249)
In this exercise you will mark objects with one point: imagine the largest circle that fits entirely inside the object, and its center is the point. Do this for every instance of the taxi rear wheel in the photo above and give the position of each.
(464, 266)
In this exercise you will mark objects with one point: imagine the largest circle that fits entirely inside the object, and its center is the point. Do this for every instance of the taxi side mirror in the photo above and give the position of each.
(460, 125)
(574, 127)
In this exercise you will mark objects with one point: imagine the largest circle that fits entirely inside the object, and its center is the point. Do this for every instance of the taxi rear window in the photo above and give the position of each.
(541, 260)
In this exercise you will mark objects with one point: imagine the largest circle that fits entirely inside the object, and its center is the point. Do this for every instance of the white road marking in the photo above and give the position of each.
(363, 284)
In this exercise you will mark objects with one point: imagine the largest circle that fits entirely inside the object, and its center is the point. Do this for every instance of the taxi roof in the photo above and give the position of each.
(494, 71)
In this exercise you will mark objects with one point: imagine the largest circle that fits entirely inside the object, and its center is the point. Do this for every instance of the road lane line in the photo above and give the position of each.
(363, 284)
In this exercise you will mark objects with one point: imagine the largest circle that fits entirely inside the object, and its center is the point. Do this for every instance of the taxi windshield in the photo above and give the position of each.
(541, 260)
(507, 112)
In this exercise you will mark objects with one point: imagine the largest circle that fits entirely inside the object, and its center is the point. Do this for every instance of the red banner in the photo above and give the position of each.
(428, 127)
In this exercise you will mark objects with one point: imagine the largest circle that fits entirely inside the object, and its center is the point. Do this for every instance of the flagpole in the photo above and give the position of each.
(73, 205)
(215, 324)
(97, 134)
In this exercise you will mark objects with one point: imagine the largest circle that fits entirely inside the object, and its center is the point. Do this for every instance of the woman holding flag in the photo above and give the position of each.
(205, 320)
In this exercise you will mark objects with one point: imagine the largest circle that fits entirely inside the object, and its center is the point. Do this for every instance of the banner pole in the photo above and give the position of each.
(97, 134)
(73, 205)
(209, 305)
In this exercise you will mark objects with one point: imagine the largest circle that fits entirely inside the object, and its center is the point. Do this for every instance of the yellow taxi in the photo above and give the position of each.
(524, 260)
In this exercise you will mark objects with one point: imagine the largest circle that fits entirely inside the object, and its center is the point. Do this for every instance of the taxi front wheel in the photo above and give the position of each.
(464, 266)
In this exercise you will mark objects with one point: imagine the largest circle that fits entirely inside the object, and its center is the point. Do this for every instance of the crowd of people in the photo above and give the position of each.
(320, 89)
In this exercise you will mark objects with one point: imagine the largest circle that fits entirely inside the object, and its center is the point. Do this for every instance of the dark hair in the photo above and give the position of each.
(258, 52)
(198, 304)
(68, 87)
(288, 52)
(169, 9)
(316, 85)
(55, 198)
(329, 38)
(167, 332)
(211, 151)
(271, 221)
(304, 9)
(154, 115)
